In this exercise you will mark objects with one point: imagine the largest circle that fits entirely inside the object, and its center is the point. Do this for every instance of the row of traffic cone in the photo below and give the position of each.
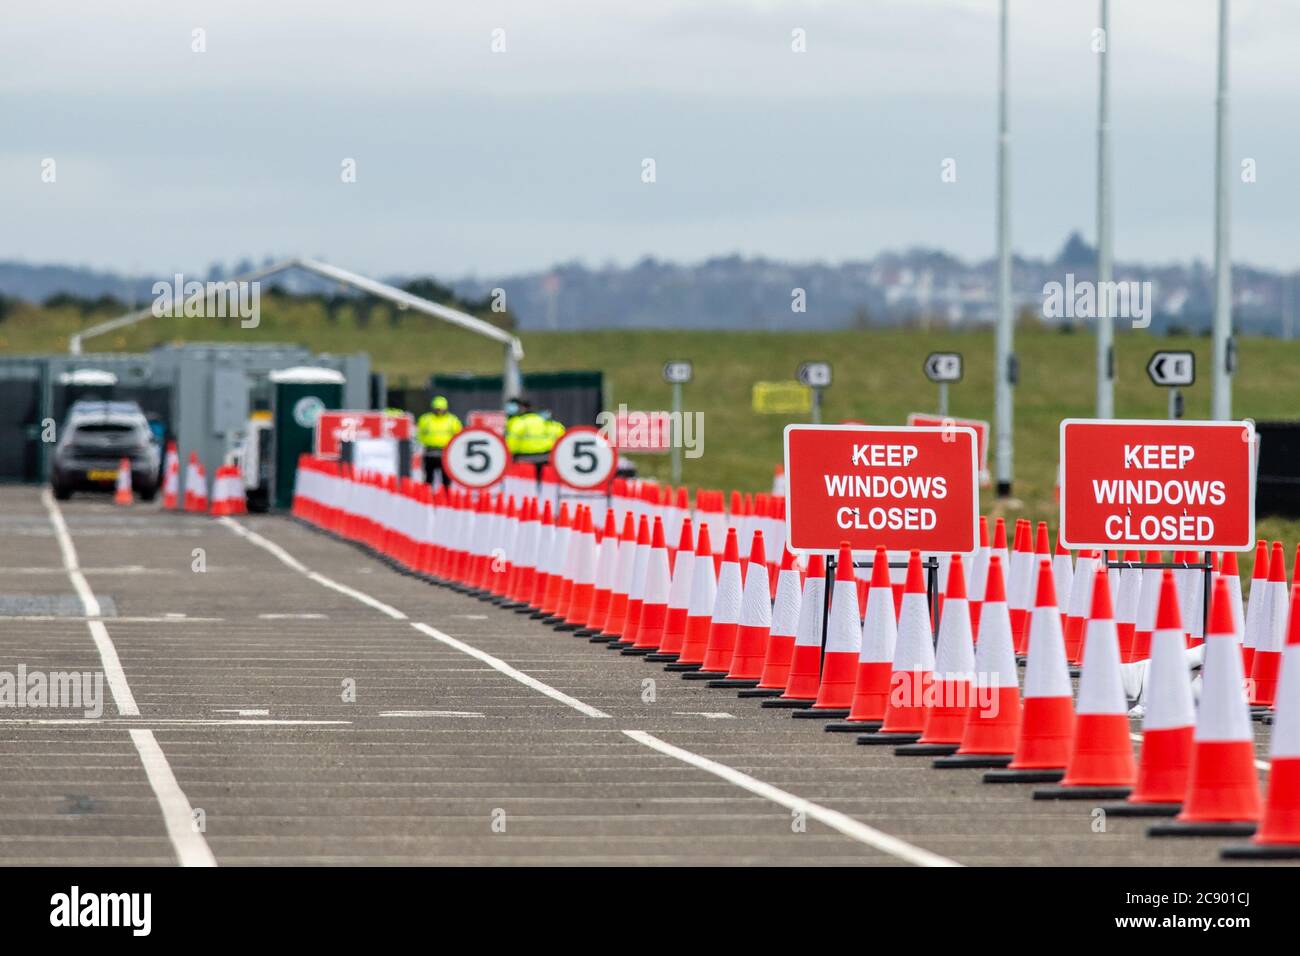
(722, 620)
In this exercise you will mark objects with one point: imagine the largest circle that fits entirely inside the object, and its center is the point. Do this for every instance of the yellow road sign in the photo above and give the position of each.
(781, 398)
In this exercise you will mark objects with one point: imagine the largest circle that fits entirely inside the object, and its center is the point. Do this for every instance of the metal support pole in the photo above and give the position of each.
(943, 399)
(511, 382)
(1221, 374)
(1003, 360)
(677, 438)
(1105, 321)
(816, 406)
(1175, 404)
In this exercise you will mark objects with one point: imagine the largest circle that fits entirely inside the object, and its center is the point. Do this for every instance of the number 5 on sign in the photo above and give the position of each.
(583, 458)
(476, 458)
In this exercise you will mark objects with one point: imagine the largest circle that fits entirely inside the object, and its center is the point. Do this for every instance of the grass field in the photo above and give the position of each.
(878, 378)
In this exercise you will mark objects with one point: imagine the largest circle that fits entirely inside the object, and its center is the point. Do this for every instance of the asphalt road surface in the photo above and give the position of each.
(273, 696)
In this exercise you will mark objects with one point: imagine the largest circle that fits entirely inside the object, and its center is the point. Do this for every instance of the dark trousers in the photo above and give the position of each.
(433, 466)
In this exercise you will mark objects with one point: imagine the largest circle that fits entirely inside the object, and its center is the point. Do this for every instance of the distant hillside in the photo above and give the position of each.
(915, 288)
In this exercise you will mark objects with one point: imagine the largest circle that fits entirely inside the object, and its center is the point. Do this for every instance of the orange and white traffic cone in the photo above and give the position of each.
(835, 692)
(1222, 786)
(1267, 661)
(954, 673)
(171, 478)
(993, 725)
(781, 636)
(875, 653)
(122, 494)
(1278, 837)
(611, 629)
(979, 575)
(1047, 720)
(699, 610)
(911, 681)
(725, 620)
(583, 592)
(1101, 764)
(1126, 606)
(654, 600)
(636, 590)
(806, 659)
(1063, 579)
(1020, 585)
(1085, 573)
(545, 555)
(1169, 718)
(1257, 608)
(679, 595)
(755, 622)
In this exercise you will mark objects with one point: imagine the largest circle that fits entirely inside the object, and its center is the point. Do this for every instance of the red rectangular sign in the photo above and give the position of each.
(642, 432)
(980, 428)
(880, 485)
(1164, 485)
(492, 419)
(338, 426)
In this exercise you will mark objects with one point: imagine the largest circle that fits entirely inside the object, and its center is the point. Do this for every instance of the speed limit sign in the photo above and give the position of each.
(476, 458)
(583, 458)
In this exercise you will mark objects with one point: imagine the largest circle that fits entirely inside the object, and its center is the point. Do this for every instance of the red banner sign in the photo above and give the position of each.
(878, 485)
(493, 420)
(1164, 485)
(340, 426)
(642, 432)
(980, 428)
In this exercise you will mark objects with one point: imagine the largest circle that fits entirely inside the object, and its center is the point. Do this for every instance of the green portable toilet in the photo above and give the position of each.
(298, 396)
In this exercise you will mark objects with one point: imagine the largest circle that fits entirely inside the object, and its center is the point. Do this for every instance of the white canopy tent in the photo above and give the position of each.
(514, 349)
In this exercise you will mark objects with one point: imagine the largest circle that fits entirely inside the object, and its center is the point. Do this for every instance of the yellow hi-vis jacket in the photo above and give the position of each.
(529, 434)
(435, 431)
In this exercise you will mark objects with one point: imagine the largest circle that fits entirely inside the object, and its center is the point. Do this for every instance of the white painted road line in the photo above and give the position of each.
(430, 713)
(178, 815)
(293, 617)
(837, 821)
(494, 662)
(190, 846)
(843, 823)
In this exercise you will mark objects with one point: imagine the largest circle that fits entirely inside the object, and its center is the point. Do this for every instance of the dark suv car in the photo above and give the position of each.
(94, 439)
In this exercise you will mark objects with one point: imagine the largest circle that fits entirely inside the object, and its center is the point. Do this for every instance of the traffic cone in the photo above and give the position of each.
(836, 690)
(1080, 601)
(1101, 757)
(171, 478)
(1063, 578)
(636, 591)
(1126, 605)
(1267, 662)
(1278, 837)
(606, 569)
(679, 595)
(699, 611)
(122, 495)
(545, 549)
(1257, 610)
(954, 673)
(993, 725)
(912, 679)
(781, 638)
(584, 574)
(654, 601)
(616, 620)
(1047, 720)
(725, 620)
(755, 621)
(875, 653)
(1222, 787)
(979, 575)
(1020, 586)
(1169, 718)
(806, 659)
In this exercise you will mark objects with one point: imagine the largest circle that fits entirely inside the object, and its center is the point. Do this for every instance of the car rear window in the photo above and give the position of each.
(106, 428)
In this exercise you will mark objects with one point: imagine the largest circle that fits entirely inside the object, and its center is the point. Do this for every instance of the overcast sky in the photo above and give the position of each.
(470, 161)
